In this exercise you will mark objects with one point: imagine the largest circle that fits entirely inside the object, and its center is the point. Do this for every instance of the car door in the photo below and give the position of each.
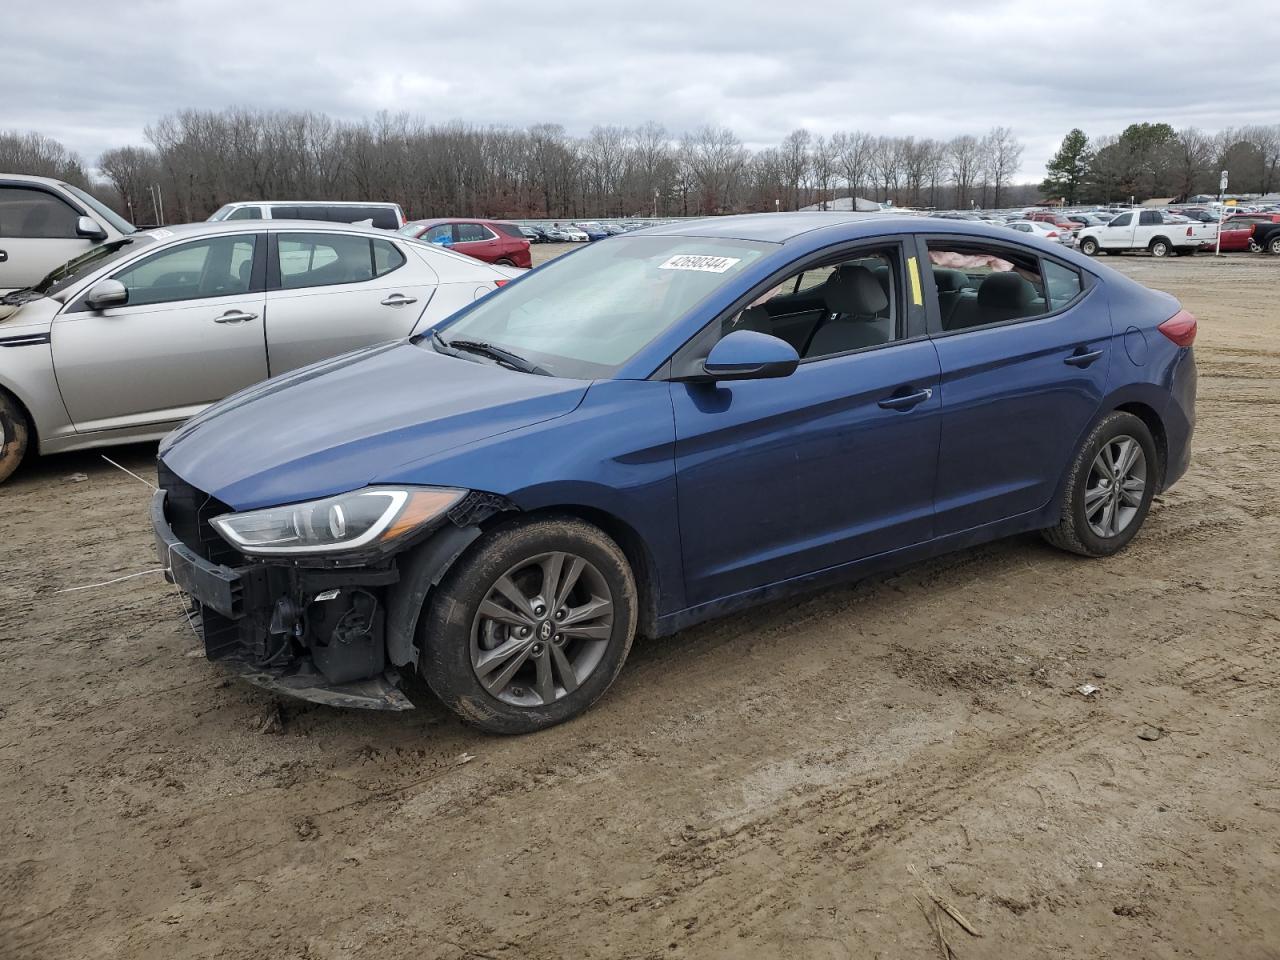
(1024, 369)
(1118, 234)
(782, 477)
(475, 240)
(190, 334)
(37, 234)
(330, 292)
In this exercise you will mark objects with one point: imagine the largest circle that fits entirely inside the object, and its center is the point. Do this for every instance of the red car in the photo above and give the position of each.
(1236, 231)
(489, 240)
(1057, 219)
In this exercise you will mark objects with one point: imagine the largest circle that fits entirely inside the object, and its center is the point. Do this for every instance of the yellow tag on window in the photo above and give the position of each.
(914, 270)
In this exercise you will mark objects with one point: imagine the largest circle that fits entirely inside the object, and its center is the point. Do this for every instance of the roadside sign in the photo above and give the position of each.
(1222, 181)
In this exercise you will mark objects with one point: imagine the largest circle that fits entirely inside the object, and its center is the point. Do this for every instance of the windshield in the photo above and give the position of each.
(79, 267)
(101, 209)
(587, 313)
(221, 212)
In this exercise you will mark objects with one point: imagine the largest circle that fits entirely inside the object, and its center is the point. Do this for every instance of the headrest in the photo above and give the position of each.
(1005, 291)
(948, 281)
(854, 289)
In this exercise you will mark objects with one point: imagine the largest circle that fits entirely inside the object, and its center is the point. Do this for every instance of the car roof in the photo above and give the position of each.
(772, 227)
(208, 228)
(311, 203)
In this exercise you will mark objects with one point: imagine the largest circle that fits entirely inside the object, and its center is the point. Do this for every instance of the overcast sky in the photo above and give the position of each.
(93, 74)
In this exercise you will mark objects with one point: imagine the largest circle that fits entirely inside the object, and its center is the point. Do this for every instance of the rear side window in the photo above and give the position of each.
(1149, 218)
(217, 267)
(471, 233)
(386, 257)
(511, 230)
(978, 285)
(34, 214)
(323, 259)
(1062, 283)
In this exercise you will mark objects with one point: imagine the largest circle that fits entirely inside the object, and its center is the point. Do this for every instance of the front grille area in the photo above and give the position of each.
(189, 511)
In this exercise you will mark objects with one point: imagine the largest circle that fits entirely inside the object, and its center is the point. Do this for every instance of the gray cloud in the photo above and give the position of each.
(95, 75)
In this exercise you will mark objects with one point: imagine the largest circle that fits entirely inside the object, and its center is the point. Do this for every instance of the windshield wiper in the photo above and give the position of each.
(503, 356)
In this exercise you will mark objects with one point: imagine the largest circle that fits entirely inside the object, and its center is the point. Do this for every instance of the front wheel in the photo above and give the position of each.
(1089, 247)
(13, 436)
(1109, 488)
(531, 626)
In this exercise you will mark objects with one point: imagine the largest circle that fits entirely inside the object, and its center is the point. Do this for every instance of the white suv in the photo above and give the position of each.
(44, 223)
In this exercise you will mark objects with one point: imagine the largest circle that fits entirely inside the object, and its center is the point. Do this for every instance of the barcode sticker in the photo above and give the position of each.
(694, 261)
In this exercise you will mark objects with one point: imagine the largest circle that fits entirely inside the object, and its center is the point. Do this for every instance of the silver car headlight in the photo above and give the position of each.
(370, 517)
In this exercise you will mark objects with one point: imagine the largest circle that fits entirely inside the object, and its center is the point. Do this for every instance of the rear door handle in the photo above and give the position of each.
(907, 400)
(3, 256)
(398, 300)
(1082, 358)
(235, 316)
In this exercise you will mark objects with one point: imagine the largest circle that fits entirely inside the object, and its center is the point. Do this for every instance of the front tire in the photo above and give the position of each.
(1109, 488)
(14, 436)
(531, 626)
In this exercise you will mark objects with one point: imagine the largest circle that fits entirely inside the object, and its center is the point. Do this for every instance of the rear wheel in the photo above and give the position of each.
(1089, 247)
(1273, 247)
(14, 435)
(504, 262)
(1159, 247)
(1109, 488)
(531, 626)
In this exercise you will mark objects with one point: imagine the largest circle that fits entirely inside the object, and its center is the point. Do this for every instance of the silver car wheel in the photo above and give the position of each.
(1115, 486)
(542, 629)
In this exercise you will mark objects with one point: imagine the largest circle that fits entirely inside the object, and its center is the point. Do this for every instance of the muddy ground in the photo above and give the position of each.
(756, 787)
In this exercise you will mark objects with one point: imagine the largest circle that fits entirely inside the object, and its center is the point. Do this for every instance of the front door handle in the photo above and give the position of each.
(906, 401)
(4, 255)
(1082, 358)
(235, 316)
(398, 300)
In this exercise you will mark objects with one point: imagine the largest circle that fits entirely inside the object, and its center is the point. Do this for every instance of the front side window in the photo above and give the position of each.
(979, 285)
(217, 267)
(1122, 221)
(832, 309)
(34, 214)
(472, 233)
(323, 259)
(439, 233)
(587, 314)
(245, 213)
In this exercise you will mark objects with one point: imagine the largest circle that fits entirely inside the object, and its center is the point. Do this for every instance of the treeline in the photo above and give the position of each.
(200, 160)
(1153, 160)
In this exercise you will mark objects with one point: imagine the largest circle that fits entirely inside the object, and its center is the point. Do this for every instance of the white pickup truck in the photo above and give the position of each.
(1146, 230)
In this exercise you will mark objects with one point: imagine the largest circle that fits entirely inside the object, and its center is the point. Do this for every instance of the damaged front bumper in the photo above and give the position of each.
(330, 635)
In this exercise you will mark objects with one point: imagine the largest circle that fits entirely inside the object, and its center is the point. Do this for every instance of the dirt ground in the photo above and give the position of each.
(755, 787)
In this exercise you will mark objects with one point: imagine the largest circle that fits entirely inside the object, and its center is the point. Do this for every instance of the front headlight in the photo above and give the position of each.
(349, 521)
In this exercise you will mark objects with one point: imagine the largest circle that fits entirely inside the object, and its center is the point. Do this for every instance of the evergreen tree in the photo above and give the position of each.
(1067, 171)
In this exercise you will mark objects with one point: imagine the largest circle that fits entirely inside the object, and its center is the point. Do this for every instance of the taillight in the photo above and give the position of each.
(501, 283)
(1188, 231)
(1180, 328)
(1053, 234)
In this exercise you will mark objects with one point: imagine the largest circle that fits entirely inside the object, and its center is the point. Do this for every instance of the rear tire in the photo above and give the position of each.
(1273, 246)
(504, 262)
(1089, 247)
(14, 435)
(508, 671)
(1159, 247)
(1101, 514)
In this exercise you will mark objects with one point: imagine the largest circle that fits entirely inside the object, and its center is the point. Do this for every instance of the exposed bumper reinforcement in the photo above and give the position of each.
(374, 693)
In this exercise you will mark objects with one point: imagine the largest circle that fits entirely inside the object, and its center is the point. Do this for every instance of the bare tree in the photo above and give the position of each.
(793, 156)
(822, 164)
(963, 165)
(853, 151)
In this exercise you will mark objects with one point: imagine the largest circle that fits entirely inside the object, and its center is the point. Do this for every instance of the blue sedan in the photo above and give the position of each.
(680, 423)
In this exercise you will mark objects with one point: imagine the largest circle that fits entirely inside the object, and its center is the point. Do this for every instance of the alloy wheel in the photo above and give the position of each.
(542, 628)
(1115, 486)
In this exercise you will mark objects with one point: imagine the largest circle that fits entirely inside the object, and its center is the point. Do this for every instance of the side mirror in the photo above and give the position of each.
(749, 355)
(90, 229)
(106, 294)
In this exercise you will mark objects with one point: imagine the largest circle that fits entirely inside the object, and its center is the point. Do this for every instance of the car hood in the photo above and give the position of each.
(348, 422)
(36, 312)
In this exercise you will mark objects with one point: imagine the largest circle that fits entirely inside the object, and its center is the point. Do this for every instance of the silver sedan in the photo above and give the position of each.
(127, 341)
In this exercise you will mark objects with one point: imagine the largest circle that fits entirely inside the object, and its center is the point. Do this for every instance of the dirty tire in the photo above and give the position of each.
(14, 434)
(1159, 247)
(1089, 247)
(444, 635)
(1073, 532)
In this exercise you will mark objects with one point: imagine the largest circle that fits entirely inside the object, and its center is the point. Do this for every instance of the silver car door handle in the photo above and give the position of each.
(906, 401)
(235, 316)
(398, 300)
